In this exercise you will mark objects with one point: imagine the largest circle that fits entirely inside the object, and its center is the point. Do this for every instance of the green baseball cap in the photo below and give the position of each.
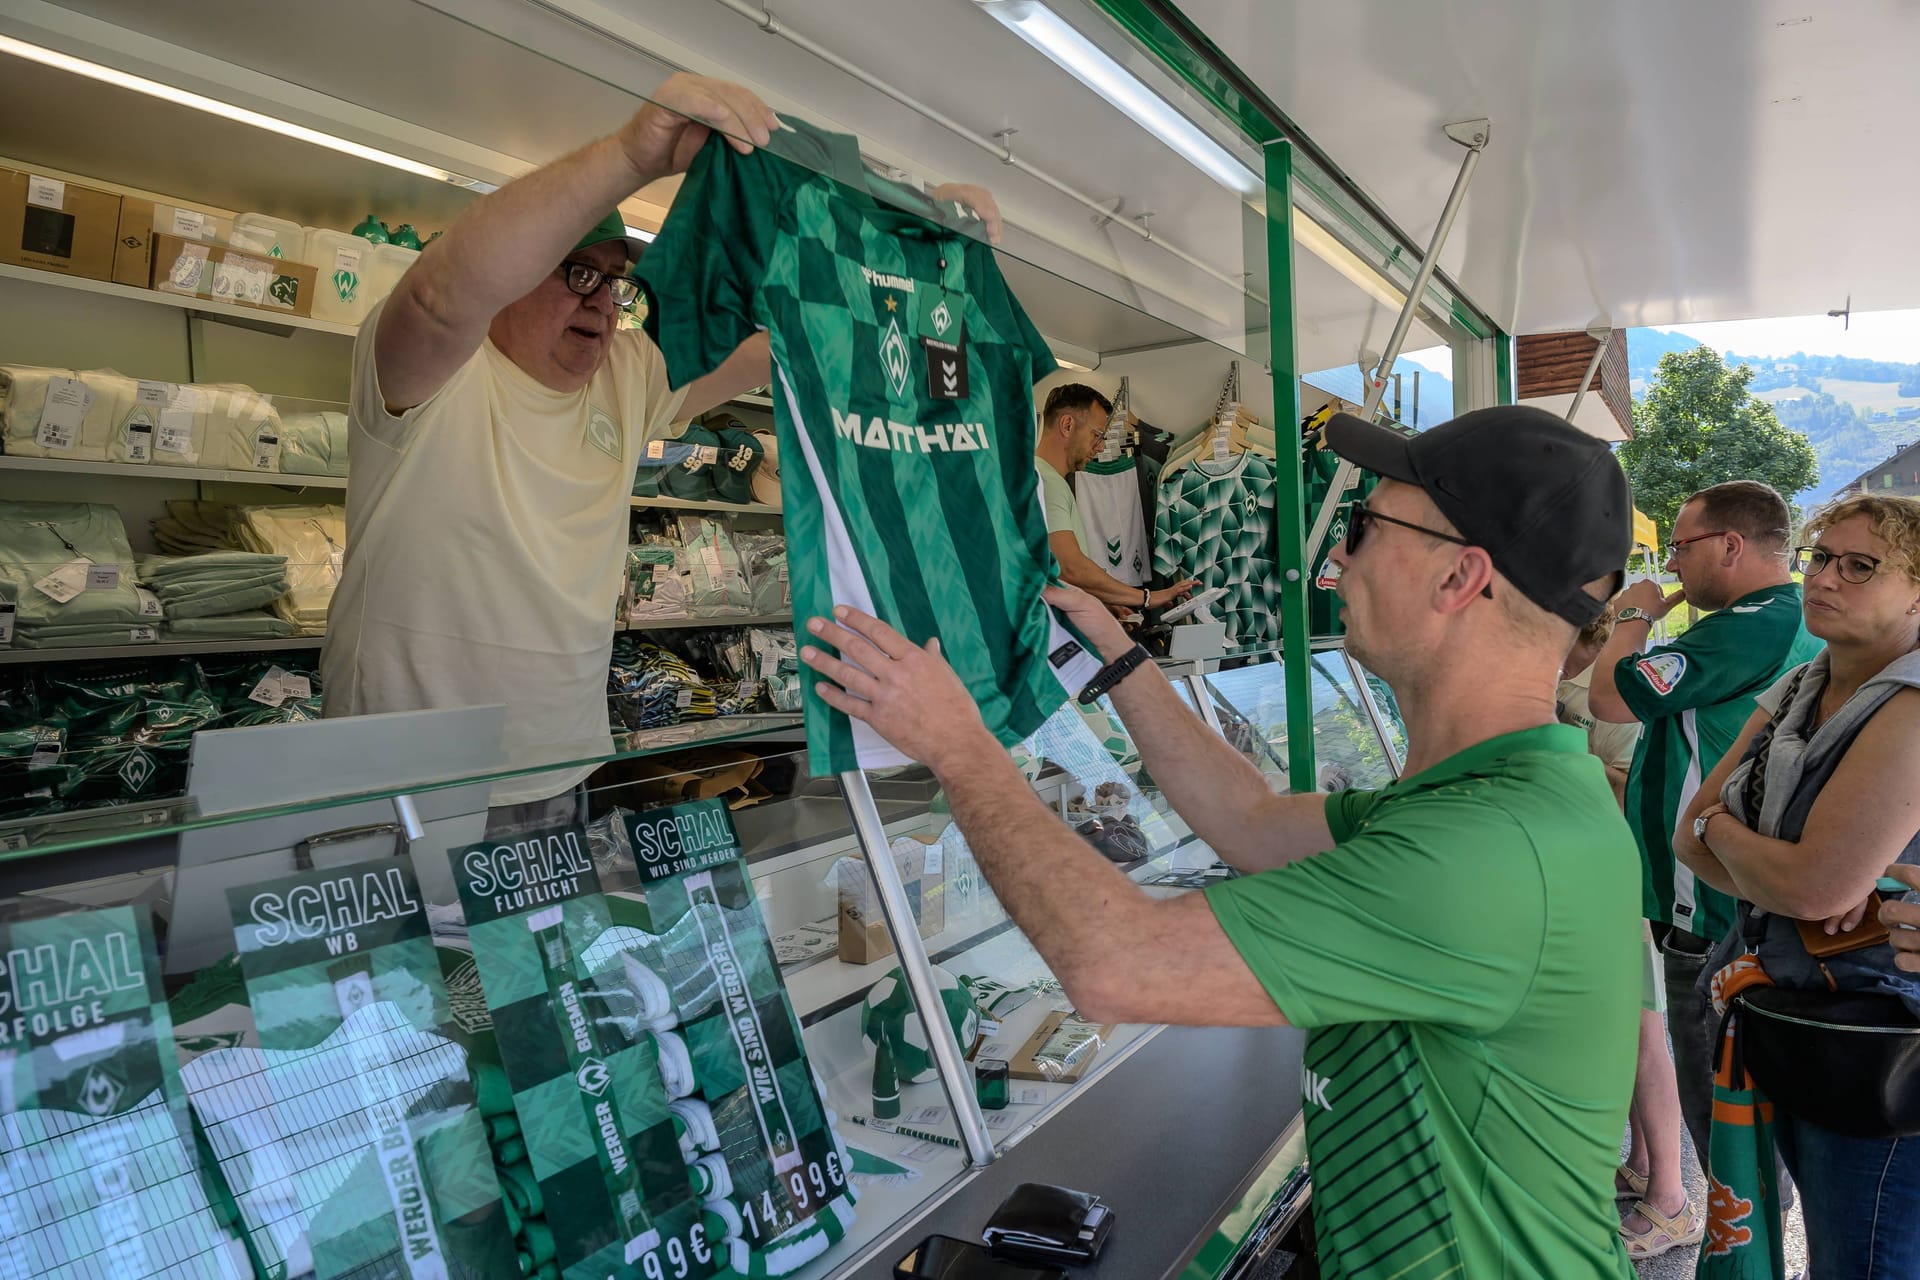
(693, 477)
(739, 458)
(611, 227)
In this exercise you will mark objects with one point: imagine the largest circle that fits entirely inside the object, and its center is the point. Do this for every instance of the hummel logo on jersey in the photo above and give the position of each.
(893, 356)
(1313, 1087)
(880, 433)
(879, 281)
(1114, 554)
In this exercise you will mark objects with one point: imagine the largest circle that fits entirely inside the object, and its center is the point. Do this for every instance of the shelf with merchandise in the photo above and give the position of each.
(255, 318)
(706, 504)
(718, 620)
(140, 471)
(158, 649)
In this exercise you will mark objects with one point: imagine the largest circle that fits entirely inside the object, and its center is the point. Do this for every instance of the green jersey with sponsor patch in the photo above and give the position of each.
(903, 398)
(1694, 695)
(1464, 963)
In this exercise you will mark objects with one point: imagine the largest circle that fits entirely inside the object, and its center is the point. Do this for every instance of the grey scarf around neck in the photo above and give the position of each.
(1798, 765)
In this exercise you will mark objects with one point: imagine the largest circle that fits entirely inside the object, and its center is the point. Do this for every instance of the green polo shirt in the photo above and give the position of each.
(1466, 962)
(1694, 696)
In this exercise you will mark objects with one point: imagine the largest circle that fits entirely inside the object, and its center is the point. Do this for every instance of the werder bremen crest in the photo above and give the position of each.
(893, 357)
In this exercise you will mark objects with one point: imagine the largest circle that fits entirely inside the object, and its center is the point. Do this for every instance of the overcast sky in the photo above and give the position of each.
(1874, 335)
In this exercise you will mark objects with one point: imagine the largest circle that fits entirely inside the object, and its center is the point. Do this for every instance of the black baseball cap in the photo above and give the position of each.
(1545, 500)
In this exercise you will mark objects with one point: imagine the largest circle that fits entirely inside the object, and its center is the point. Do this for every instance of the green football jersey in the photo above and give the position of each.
(1694, 695)
(1464, 963)
(1215, 523)
(903, 398)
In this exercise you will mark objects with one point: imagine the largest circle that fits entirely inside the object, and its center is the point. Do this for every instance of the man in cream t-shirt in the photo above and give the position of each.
(498, 415)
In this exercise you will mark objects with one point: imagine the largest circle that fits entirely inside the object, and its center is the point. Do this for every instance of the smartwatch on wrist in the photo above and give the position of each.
(1112, 674)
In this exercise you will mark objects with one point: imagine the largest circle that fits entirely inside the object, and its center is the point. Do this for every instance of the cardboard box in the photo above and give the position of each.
(1025, 1067)
(223, 274)
(52, 225)
(863, 930)
(133, 249)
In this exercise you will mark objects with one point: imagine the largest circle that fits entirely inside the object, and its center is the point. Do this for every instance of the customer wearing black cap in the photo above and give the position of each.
(1459, 944)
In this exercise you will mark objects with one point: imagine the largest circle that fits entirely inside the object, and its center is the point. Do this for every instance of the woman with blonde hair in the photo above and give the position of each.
(1800, 825)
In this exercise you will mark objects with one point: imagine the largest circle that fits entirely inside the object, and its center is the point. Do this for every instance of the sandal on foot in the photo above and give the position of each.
(1636, 1184)
(1665, 1234)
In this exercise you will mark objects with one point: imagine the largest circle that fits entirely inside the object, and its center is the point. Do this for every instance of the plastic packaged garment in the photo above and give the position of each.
(779, 666)
(239, 429)
(217, 583)
(62, 413)
(192, 527)
(649, 686)
(716, 577)
(314, 541)
(66, 565)
(313, 444)
(764, 557)
(129, 726)
(655, 586)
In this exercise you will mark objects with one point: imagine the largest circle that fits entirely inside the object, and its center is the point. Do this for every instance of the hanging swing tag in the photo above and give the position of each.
(943, 340)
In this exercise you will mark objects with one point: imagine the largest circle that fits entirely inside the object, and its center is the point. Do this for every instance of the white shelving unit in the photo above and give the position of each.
(714, 504)
(687, 624)
(146, 472)
(160, 649)
(247, 317)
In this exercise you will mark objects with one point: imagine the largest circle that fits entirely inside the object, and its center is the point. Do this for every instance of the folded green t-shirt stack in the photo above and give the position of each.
(220, 593)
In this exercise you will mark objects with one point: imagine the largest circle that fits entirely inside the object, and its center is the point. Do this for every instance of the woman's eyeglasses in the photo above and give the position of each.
(1851, 565)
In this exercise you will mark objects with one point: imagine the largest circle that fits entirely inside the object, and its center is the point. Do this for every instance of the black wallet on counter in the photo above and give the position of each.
(1039, 1223)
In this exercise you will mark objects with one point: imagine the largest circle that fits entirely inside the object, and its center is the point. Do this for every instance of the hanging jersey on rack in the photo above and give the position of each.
(1216, 524)
(903, 397)
(1109, 497)
(1318, 464)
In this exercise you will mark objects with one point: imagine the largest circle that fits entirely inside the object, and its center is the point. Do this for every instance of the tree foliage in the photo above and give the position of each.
(1699, 425)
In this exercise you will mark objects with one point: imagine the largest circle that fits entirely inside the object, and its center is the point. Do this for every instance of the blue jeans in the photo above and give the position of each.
(1860, 1199)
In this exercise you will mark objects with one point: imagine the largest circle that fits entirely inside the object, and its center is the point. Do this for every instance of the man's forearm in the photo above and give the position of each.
(505, 243)
(1603, 694)
(1080, 571)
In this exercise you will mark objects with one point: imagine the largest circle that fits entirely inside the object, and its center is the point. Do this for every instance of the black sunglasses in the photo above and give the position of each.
(583, 278)
(1363, 516)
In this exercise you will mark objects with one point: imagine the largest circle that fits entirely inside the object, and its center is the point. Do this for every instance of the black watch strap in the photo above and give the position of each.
(1112, 674)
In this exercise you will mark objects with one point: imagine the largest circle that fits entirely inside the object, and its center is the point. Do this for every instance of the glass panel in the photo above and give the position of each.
(1348, 751)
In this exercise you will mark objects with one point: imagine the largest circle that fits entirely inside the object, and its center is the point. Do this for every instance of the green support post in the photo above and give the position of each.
(1289, 498)
(1506, 388)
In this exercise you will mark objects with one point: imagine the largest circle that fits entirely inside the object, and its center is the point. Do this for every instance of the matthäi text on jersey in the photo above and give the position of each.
(882, 433)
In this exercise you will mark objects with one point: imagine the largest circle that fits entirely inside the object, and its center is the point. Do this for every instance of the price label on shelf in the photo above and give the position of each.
(158, 395)
(103, 577)
(188, 224)
(46, 193)
(683, 699)
(142, 635)
(68, 400)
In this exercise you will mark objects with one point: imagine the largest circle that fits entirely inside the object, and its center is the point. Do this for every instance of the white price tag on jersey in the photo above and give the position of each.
(1221, 437)
(683, 699)
(46, 193)
(188, 224)
(68, 400)
(272, 689)
(66, 582)
(46, 754)
(297, 686)
(7, 611)
(142, 635)
(149, 604)
(103, 577)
